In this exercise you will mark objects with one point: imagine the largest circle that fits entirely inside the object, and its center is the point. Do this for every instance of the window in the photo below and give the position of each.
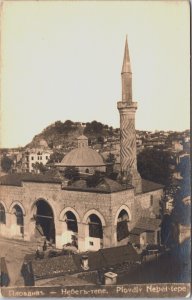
(47, 157)
(91, 243)
(71, 221)
(151, 200)
(2, 214)
(32, 158)
(40, 157)
(95, 227)
(19, 215)
(122, 225)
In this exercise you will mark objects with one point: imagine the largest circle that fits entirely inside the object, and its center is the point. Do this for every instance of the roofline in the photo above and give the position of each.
(153, 190)
(93, 191)
(61, 165)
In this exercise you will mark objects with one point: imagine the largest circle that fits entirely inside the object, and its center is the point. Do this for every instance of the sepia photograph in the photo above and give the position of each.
(95, 187)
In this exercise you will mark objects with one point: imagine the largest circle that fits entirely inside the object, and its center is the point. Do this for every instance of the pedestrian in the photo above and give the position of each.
(27, 273)
(4, 279)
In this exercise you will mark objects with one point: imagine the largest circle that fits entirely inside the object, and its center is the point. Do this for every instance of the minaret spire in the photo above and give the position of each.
(127, 109)
(126, 68)
(126, 76)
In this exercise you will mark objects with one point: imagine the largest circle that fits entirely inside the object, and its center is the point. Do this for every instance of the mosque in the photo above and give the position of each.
(110, 214)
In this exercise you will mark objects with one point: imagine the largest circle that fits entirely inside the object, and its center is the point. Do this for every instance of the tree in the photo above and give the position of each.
(59, 126)
(56, 157)
(110, 158)
(94, 128)
(95, 179)
(39, 167)
(154, 165)
(71, 173)
(6, 163)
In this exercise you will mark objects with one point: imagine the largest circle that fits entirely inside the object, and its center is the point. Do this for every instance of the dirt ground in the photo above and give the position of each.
(14, 252)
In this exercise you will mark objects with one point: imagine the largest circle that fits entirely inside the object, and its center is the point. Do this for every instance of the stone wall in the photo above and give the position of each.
(106, 206)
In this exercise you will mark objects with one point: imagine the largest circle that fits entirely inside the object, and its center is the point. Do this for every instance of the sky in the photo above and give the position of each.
(62, 60)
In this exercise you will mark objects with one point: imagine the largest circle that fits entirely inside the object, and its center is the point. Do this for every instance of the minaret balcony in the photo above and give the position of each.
(129, 105)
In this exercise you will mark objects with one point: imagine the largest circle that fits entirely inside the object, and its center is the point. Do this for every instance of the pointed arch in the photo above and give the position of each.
(4, 205)
(50, 203)
(65, 210)
(2, 214)
(122, 207)
(19, 204)
(94, 212)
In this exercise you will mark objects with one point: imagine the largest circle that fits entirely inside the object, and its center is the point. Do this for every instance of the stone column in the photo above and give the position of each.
(59, 229)
(83, 234)
(107, 237)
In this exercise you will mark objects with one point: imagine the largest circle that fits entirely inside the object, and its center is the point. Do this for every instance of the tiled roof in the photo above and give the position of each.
(137, 231)
(149, 224)
(106, 186)
(53, 267)
(149, 186)
(16, 179)
(119, 255)
(104, 258)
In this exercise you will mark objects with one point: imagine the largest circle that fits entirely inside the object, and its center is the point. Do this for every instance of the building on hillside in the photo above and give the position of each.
(39, 154)
(177, 146)
(108, 214)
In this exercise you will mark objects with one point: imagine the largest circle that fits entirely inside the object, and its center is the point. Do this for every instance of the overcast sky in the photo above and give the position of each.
(62, 60)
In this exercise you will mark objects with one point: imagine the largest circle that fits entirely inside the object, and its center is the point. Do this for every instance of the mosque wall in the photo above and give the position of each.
(106, 206)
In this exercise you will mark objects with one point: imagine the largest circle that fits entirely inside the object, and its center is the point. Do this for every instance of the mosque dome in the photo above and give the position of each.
(83, 156)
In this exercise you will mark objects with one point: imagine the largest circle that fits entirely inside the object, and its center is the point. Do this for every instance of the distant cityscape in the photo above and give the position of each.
(40, 152)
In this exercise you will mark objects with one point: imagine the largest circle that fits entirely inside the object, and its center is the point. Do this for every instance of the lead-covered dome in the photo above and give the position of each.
(82, 156)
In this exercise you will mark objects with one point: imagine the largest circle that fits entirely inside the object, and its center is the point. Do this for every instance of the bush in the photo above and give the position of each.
(95, 179)
(72, 173)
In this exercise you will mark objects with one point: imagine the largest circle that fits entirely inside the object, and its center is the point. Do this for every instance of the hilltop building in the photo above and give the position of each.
(110, 214)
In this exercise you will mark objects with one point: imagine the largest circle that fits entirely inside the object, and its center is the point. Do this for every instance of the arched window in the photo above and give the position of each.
(2, 214)
(87, 170)
(71, 221)
(95, 226)
(19, 215)
(122, 225)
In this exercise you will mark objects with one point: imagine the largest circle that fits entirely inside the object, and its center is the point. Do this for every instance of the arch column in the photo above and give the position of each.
(59, 228)
(29, 228)
(109, 236)
(83, 232)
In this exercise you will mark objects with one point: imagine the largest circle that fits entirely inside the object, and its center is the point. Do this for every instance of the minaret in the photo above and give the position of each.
(127, 109)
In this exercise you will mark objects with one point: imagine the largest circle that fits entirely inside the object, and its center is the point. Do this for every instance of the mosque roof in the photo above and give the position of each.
(17, 178)
(82, 157)
(105, 186)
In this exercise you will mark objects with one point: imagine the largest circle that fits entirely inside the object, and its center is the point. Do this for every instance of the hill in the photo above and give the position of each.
(63, 135)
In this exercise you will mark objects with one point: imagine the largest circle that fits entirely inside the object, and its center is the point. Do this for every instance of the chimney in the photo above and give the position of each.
(85, 262)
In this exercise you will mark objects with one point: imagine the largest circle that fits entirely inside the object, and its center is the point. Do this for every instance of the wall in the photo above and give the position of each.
(148, 204)
(106, 206)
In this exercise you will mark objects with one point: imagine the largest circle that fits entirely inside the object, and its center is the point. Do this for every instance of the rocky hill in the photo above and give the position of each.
(63, 135)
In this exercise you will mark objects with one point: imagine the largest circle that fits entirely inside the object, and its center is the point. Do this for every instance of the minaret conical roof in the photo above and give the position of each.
(126, 68)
